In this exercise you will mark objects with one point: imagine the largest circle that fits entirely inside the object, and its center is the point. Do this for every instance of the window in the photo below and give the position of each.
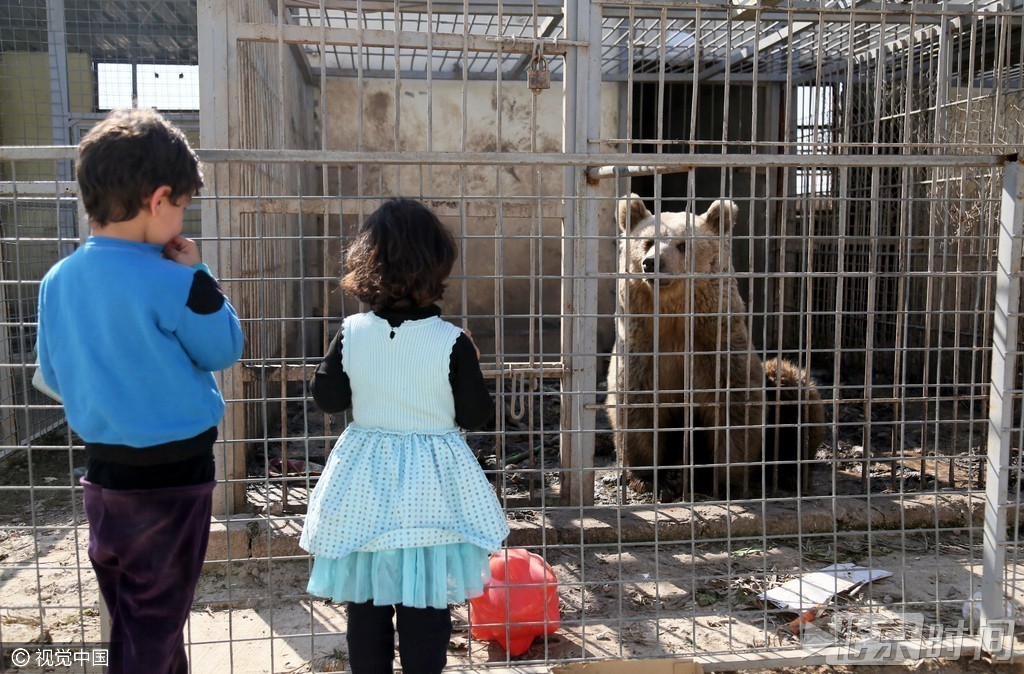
(165, 87)
(814, 135)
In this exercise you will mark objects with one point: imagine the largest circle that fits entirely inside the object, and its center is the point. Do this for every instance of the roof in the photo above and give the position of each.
(797, 39)
(146, 31)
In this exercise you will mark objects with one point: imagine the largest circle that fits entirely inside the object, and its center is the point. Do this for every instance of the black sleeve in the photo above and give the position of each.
(330, 385)
(204, 297)
(473, 405)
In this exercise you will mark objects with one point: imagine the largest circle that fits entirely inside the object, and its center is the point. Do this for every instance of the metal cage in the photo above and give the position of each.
(871, 152)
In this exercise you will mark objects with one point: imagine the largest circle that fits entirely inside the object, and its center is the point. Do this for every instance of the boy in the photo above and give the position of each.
(131, 327)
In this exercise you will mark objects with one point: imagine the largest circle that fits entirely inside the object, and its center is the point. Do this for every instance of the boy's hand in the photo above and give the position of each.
(183, 251)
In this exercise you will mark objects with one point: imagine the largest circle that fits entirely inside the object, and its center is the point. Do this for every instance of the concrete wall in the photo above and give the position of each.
(496, 241)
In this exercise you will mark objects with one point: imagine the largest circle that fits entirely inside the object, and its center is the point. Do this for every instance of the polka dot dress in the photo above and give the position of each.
(402, 512)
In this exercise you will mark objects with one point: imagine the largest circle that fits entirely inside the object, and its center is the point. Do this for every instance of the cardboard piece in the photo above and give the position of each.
(818, 588)
(660, 666)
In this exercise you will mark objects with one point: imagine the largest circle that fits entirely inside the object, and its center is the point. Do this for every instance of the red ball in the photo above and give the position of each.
(519, 603)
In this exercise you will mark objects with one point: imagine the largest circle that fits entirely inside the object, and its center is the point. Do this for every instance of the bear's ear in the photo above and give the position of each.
(631, 212)
(721, 216)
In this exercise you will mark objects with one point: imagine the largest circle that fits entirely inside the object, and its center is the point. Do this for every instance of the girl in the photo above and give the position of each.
(403, 519)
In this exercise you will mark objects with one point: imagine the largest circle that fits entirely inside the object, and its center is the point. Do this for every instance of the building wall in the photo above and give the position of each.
(25, 99)
(25, 119)
(431, 118)
(29, 225)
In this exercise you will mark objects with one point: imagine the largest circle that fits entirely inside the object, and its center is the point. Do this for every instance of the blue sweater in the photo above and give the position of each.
(130, 339)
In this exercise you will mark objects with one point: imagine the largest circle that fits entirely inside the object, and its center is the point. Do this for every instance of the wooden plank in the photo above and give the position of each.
(216, 50)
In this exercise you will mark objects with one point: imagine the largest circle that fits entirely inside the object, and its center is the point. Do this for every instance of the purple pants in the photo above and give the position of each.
(147, 547)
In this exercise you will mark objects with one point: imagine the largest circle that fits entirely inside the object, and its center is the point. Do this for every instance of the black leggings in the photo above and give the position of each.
(423, 635)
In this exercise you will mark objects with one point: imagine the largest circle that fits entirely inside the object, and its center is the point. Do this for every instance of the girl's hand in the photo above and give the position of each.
(475, 347)
(183, 251)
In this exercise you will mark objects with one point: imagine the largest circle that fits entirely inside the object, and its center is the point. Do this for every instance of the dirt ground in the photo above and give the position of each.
(620, 601)
(631, 599)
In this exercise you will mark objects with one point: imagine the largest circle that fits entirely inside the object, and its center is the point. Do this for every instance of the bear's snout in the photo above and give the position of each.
(649, 266)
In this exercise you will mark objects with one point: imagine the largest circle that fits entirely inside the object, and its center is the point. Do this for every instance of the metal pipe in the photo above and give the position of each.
(1006, 349)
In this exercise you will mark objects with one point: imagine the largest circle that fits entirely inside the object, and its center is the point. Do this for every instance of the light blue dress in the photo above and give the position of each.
(402, 513)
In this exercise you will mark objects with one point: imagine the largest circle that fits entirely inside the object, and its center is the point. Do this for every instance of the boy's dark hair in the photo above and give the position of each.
(128, 156)
(401, 257)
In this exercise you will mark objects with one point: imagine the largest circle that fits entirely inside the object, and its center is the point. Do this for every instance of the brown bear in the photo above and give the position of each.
(794, 420)
(685, 385)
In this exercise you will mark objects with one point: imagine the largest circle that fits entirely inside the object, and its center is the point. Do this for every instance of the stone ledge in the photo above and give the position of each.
(242, 537)
(697, 521)
(263, 536)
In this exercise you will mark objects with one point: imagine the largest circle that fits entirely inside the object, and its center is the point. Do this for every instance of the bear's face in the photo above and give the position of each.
(674, 247)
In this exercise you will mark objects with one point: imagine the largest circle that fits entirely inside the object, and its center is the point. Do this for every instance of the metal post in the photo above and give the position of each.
(1005, 348)
(60, 112)
(60, 118)
(8, 416)
(567, 419)
(582, 82)
(588, 135)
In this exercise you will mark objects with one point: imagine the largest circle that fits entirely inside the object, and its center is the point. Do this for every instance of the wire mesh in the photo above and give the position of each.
(876, 247)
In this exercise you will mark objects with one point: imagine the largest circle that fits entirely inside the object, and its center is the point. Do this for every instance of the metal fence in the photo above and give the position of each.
(870, 150)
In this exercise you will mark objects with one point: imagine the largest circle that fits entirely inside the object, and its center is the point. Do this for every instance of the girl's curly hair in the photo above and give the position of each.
(401, 257)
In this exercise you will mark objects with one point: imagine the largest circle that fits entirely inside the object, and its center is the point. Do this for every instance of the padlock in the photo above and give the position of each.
(538, 77)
